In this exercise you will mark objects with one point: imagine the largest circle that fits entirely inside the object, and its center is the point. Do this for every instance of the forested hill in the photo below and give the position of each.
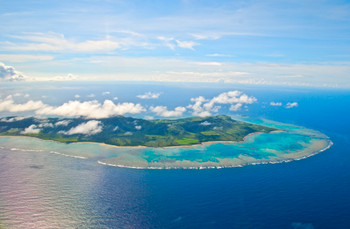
(127, 131)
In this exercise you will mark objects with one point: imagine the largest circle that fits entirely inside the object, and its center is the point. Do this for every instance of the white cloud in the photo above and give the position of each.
(14, 119)
(276, 104)
(90, 95)
(88, 109)
(57, 42)
(89, 128)
(138, 127)
(168, 41)
(67, 77)
(218, 128)
(291, 105)
(236, 107)
(205, 123)
(91, 109)
(172, 43)
(149, 95)
(115, 98)
(63, 123)
(186, 44)
(197, 107)
(32, 129)
(106, 93)
(24, 58)
(177, 69)
(204, 107)
(45, 125)
(208, 63)
(9, 73)
(164, 112)
(9, 105)
(206, 36)
(219, 55)
(77, 96)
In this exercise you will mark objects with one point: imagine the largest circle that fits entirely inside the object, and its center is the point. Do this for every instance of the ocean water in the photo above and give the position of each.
(48, 190)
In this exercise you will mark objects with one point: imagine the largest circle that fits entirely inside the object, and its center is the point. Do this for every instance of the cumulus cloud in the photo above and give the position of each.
(138, 127)
(149, 95)
(77, 96)
(115, 98)
(291, 105)
(91, 109)
(276, 104)
(91, 95)
(88, 128)
(106, 93)
(8, 104)
(197, 107)
(32, 129)
(88, 109)
(9, 73)
(236, 107)
(204, 107)
(164, 112)
(63, 123)
(45, 125)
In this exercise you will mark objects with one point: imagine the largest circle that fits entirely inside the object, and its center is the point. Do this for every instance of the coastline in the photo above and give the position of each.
(135, 160)
(143, 147)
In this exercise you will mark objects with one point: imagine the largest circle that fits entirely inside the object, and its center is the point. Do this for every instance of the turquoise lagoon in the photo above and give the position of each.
(291, 143)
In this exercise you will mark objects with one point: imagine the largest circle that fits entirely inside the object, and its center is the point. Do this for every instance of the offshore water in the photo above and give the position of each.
(47, 190)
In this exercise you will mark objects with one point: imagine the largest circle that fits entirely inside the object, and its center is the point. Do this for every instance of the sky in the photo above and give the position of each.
(296, 43)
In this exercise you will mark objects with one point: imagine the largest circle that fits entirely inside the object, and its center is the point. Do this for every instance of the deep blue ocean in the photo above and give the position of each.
(40, 190)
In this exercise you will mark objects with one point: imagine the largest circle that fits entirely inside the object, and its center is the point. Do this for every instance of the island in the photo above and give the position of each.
(186, 143)
(128, 131)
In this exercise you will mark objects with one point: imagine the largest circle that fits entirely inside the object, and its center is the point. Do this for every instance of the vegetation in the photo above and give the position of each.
(127, 131)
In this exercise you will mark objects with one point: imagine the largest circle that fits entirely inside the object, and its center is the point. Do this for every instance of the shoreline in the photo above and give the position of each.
(322, 144)
(144, 147)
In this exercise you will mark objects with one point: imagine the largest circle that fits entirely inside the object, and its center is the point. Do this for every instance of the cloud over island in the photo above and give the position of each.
(88, 128)
(199, 106)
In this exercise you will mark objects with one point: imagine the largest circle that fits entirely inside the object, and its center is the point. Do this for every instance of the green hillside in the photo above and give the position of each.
(127, 131)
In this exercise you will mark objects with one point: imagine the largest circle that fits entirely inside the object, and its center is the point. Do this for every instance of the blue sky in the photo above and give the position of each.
(303, 43)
